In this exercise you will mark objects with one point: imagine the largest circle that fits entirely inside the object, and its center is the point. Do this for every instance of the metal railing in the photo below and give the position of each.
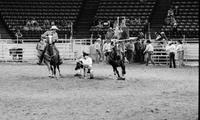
(70, 49)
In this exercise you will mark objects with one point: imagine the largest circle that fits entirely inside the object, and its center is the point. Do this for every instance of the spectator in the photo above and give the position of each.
(46, 24)
(129, 51)
(109, 34)
(143, 46)
(19, 36)
(28, 25)
(98, 49)
(149, 52)
(117, 33)
(146, 23)
(52, 23)
(180, 53)
(139, 21)
(163, 37)
(34, 23)
(170, 13)
(138, 51)
(176, 11)
(99, 24)
(171, 49)
(28, 22)
(111, 23)
(106, 49)
(38, 28)
(123, 23)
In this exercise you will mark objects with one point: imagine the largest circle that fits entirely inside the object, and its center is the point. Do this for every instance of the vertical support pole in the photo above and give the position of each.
(91, 39)
(149, 31)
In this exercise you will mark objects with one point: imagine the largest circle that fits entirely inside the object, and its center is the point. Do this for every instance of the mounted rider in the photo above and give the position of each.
(51, 37)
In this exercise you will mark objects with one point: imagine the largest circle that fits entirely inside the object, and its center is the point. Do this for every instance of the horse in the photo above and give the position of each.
(51, 59)
(117, 59)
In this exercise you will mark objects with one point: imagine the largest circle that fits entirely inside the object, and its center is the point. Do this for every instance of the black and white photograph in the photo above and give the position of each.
(99, 59)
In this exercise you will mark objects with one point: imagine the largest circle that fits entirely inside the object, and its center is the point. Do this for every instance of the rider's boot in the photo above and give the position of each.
(40, 59)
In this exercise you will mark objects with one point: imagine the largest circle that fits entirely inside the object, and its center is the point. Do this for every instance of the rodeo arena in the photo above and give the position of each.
(99, 59)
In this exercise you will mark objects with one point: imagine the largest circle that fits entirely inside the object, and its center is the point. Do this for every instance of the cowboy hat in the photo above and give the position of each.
(85, 53)
(170, 42)
(99, 39)
(148, 41)
(162, 33)
(54, 27)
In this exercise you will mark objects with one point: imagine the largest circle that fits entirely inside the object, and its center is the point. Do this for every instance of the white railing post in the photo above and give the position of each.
(91, 39)
(149, 31)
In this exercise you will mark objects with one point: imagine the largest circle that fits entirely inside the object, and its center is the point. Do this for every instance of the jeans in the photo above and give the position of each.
(172, 60)
(149, 58)
(180, 57)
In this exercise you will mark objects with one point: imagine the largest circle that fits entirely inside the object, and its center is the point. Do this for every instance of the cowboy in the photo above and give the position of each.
(85, 63)
(98, 48)
(53, 38)
(19, 36)
(149, 52)
(171, 50)
(107, 49)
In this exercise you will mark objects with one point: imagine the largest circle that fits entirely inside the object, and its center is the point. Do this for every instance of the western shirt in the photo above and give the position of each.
(171, 48)
(149, 48)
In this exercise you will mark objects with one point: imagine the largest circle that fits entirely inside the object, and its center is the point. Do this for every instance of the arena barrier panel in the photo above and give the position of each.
(71, 49)
(26, 52)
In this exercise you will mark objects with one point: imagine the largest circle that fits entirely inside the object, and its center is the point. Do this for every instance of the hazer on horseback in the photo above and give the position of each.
(50, 37)
(51, 54)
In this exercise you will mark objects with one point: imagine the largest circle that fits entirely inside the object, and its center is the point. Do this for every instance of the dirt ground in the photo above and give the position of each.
(148, 93)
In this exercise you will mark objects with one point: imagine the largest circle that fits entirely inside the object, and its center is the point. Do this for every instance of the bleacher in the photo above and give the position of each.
(187, 19)
(15, 13)
(110, 10)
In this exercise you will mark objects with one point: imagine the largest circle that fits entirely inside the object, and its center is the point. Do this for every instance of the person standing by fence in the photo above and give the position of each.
(180, 53)
(149, 51)
(19, 36)
(171, 49)
(98, 49)
(106, 49)
(40, 49)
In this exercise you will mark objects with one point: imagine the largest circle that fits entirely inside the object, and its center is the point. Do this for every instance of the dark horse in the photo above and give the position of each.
(116, 59)
(51, 59)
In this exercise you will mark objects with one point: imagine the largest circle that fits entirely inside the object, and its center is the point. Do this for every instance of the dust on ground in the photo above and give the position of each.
(148, 93)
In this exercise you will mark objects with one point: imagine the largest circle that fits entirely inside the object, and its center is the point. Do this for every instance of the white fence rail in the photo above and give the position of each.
(69, 50)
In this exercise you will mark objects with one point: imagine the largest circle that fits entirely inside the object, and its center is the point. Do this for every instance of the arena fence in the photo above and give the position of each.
(26, 52)
(71, 49)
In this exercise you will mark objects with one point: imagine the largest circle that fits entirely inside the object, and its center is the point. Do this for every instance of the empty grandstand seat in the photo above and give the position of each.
(15, 13)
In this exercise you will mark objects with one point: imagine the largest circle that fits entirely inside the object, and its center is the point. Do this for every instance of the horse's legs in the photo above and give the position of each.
(58, 67)
(84, 72)
(49, 68)
(123, 69)
(116, 71)
(54, 70)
